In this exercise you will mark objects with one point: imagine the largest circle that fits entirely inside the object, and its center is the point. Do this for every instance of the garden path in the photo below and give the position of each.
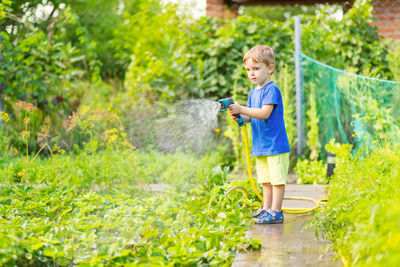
(288, 244)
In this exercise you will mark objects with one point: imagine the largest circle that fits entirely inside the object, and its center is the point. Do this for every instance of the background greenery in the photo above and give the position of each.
(164, 58)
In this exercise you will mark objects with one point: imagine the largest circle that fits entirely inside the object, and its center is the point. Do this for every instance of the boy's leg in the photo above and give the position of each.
(267, 196)
(278, 168)
(278, 192)
(263, 177)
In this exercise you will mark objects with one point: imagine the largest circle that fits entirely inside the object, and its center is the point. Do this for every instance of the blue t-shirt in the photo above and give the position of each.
(269, 136)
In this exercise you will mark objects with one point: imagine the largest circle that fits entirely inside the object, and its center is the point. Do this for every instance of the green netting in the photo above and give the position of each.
(351, 108)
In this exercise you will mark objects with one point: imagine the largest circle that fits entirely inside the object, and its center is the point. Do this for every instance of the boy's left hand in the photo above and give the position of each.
(234, 108)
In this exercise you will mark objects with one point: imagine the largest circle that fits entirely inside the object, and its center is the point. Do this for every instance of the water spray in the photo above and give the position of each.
(225, 103)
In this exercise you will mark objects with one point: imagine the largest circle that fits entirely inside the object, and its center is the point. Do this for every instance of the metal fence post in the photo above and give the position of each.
(299, 93)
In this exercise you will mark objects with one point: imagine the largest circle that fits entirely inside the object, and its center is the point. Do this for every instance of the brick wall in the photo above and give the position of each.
(387, 13)
(218, 8)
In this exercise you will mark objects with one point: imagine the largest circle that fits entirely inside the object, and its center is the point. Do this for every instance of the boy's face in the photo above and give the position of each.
(259, 73)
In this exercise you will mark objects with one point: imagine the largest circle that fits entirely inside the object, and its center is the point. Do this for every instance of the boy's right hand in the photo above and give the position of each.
(232, 116)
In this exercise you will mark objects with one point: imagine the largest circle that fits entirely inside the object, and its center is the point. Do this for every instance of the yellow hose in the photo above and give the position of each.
(253, 184)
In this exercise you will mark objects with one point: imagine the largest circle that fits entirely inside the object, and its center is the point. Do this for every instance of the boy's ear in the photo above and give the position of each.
(271, 68)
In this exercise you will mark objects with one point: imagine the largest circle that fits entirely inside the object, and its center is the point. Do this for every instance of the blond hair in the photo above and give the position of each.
(260, 54)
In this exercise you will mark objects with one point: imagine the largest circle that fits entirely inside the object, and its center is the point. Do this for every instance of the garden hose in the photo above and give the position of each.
(317, 204)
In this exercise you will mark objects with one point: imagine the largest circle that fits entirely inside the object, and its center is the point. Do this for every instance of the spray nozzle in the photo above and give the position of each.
(225, 103)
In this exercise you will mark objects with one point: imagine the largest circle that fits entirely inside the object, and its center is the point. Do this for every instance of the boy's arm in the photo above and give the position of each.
(262, 113)
(245, 118)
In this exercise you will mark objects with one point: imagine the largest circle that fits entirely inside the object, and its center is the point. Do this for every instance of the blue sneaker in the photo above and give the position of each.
(259, 213)
(271, 217)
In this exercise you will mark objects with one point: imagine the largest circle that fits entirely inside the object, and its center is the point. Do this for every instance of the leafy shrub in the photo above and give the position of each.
(394, 65)
(361, 218)
(83, 170)
(310, 172)
(350, 42)
(117, 169)
(207, 60)
(59, 225)
(39, 66)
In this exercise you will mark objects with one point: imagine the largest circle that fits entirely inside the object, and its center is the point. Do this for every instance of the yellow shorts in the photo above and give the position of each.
(272, 169)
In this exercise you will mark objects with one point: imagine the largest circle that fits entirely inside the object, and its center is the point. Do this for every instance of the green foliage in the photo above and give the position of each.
(152, 42)
(83, 170)
(171, 57)
(225, 49)
(93, 32)
(352, 41)
(312, 124)
(3, 7)
(206, 62)
(99, 128)
(103, 169)
(89, 26)
(361, 218)
(86, 207)
(81, 204)
(104, 218)
(39, 67)
(310, 172)
(59, 225)
(352, 109)
(374, 109)
(285, 79)
(394, 64)
(37, 58)
(33, 69)
(342, 152)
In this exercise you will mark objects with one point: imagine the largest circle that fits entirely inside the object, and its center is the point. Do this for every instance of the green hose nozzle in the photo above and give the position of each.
(225, 103)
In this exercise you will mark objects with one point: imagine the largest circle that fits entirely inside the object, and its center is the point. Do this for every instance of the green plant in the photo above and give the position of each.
(373, 106)
(54, 224)
(285, 81)
(4, 139)
(310, 171)
(394, 65)
(313, 142)
(362, 212)
(352, 41)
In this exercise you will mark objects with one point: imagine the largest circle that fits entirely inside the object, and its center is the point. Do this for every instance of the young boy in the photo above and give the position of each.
(270, 143)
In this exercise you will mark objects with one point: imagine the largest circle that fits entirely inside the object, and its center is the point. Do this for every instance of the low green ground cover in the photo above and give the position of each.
(87, 210)
(363, 212)
(103, 169)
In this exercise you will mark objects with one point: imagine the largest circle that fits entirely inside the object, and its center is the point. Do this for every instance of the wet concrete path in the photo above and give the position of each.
(289, 244)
